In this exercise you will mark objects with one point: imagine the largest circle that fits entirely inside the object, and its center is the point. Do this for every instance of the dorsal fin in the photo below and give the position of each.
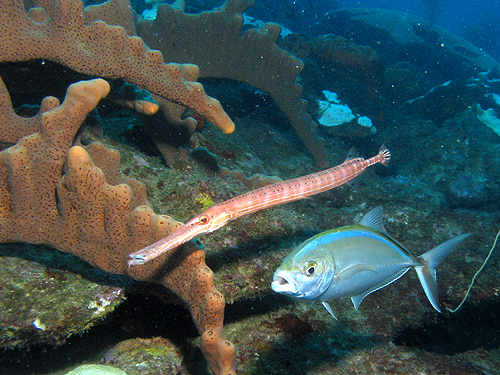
(374, 220)
(353, 154)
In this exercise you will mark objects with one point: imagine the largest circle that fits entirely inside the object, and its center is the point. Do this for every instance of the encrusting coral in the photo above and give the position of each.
(72, 198)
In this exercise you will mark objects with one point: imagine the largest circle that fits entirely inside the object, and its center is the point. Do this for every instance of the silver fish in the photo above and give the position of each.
(355, 261)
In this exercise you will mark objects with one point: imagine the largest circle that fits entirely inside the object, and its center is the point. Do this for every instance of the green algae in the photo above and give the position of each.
(147, 356)
(204, 200)
(40, 304)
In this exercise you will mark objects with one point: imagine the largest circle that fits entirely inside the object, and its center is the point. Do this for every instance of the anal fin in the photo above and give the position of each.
(329, 309)
(356, 300)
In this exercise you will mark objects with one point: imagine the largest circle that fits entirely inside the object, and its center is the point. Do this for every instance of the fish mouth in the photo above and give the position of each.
(281, 285)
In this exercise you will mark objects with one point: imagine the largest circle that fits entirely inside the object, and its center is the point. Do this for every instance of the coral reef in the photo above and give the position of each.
(101, 50)
(404, 81)
(218, 45)
(443, 181)
(72, 304)
(469, 190)
(252, 57)
(398, 36)
(54, 193)
(359, 68)
(444, 101)
(150, 353)
(273, 334)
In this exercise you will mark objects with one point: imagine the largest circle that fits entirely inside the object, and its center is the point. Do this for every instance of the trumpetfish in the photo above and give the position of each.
(259, 199)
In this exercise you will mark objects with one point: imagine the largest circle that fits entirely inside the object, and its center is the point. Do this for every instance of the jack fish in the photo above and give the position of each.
(355, 261)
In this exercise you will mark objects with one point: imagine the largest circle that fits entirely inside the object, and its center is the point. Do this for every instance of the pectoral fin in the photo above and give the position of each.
(351, 271)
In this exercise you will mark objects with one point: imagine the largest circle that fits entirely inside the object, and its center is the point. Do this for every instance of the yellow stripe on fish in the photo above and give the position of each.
(354, 261)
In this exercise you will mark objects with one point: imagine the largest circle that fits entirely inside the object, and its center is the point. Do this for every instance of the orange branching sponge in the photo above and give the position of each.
(24, 125)
(58, 32)
(113, 12)
(74, 199)
(194, 282)
(215, 41)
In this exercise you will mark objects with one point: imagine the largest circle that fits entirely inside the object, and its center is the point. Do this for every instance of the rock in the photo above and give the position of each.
(397, 36)
(468, 190)
(96, 370)
(147, 357)
(40, 304)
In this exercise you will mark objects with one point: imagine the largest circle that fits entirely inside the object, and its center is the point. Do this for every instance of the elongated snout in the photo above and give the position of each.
(212, 219)
(174, 240)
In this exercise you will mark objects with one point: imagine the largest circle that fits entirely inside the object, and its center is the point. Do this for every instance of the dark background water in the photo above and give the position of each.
(476, 20)
(455, 15)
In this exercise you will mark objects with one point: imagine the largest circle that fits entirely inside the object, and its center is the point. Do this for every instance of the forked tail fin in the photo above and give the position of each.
(429, 261)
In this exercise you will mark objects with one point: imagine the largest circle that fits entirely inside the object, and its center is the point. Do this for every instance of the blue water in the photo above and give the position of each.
(477, 20)
(455, 14)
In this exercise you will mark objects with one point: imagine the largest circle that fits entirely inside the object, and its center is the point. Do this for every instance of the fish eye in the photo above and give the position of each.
(204, 219)
(311, 268)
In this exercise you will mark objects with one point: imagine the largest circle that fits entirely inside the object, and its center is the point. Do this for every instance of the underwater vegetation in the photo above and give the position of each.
(109, 146)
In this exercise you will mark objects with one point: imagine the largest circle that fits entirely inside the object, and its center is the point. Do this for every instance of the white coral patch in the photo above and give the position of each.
(331, 97)
(99, 306)
(489, 118)
(336, 114)
(39, 325)
(332, 113)
(365, 121)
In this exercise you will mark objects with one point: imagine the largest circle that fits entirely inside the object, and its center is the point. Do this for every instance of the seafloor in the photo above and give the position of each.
(395, 331)
(442, 181)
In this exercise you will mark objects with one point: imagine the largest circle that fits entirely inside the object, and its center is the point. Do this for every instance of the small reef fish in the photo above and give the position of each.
(259, 199)
(355, 261)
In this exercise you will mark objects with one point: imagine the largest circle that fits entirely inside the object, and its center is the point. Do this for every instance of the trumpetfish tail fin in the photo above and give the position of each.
(384, 151)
